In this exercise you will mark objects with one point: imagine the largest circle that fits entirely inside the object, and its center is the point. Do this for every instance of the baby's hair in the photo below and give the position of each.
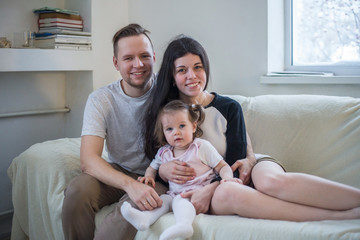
(195, 113)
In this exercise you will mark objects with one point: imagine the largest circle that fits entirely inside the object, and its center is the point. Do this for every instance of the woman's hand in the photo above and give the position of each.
(244, 166)
(177, 172)
(201, 198)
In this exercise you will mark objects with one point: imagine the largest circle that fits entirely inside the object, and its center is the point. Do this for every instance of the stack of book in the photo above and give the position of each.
(55, 20)
(63, 40)
(61, 29)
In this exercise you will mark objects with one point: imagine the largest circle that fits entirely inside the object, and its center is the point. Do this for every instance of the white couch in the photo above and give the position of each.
(313, 134)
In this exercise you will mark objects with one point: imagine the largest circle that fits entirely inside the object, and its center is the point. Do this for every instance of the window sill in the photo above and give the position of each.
(310, 80)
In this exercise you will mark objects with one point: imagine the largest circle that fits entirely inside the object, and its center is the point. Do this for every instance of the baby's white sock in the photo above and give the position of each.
(183, 230)
(142, 220)
(184, 213)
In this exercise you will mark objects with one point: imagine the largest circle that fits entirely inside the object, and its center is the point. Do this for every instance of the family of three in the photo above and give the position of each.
(169, 124)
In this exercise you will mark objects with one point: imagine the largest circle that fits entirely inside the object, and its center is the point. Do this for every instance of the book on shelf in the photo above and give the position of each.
(58, 29)
(59, 15)
(56, 17)
(50, 32)
(60, 24)
(59, 20)
(61, 38)
(55, 10)
(73, 47)
(55, 21)
(67, 46)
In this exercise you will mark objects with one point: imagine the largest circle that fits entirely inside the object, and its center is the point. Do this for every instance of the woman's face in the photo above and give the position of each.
(190, 77)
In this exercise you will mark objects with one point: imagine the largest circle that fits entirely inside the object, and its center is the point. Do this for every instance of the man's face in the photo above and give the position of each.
(135, 59)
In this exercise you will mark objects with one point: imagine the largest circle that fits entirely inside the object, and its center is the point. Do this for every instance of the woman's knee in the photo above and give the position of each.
(222, 192)
(271, 183)
(227, 196)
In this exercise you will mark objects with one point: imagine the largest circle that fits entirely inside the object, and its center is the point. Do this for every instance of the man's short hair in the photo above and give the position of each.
(132, 29)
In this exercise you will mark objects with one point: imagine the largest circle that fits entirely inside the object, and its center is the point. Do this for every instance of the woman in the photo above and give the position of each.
(184, 75)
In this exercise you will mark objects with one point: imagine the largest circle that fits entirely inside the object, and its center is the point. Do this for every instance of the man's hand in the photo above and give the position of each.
(144, 196)
(244, 166)
(177, 172)
(201, 198)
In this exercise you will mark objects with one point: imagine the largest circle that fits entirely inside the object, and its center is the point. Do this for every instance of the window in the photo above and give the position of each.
(323, 36)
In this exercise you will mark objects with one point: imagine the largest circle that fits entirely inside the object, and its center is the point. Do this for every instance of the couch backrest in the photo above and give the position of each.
(313, 134)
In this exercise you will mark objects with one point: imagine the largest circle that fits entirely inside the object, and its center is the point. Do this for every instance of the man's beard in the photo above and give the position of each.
(137, 86)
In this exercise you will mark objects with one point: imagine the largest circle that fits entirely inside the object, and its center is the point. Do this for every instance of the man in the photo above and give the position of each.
(114, 113)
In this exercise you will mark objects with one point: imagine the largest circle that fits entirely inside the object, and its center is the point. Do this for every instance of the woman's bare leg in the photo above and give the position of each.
(269, 178)
(232, 198)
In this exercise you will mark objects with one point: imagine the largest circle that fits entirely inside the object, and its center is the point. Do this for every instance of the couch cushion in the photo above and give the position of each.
(307, 133)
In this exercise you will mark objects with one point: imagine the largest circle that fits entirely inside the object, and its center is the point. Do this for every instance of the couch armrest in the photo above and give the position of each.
(39, 176)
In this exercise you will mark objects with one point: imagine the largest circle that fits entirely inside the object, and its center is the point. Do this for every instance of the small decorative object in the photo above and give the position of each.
(23, 39)
(4, 43)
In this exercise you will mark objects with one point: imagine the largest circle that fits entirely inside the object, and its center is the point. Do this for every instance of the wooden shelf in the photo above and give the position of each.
(25, 60)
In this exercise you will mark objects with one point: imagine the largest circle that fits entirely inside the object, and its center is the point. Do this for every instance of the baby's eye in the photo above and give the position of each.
(168, 129)
(182, 125)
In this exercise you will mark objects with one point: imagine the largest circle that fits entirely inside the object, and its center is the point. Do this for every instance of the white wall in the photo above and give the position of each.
(22, 92)
(234, 33)
(107, 18)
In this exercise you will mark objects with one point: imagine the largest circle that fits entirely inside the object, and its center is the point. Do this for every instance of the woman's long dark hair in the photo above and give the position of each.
(165, 87)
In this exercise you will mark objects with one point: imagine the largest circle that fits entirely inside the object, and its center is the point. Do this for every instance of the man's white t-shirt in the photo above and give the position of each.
(111, 114)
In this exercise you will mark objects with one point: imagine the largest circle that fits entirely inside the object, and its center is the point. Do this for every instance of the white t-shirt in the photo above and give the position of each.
(111, 114)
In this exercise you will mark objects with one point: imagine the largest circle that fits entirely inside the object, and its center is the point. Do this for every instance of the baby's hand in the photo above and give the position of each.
(147, 180)
(236, 180)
